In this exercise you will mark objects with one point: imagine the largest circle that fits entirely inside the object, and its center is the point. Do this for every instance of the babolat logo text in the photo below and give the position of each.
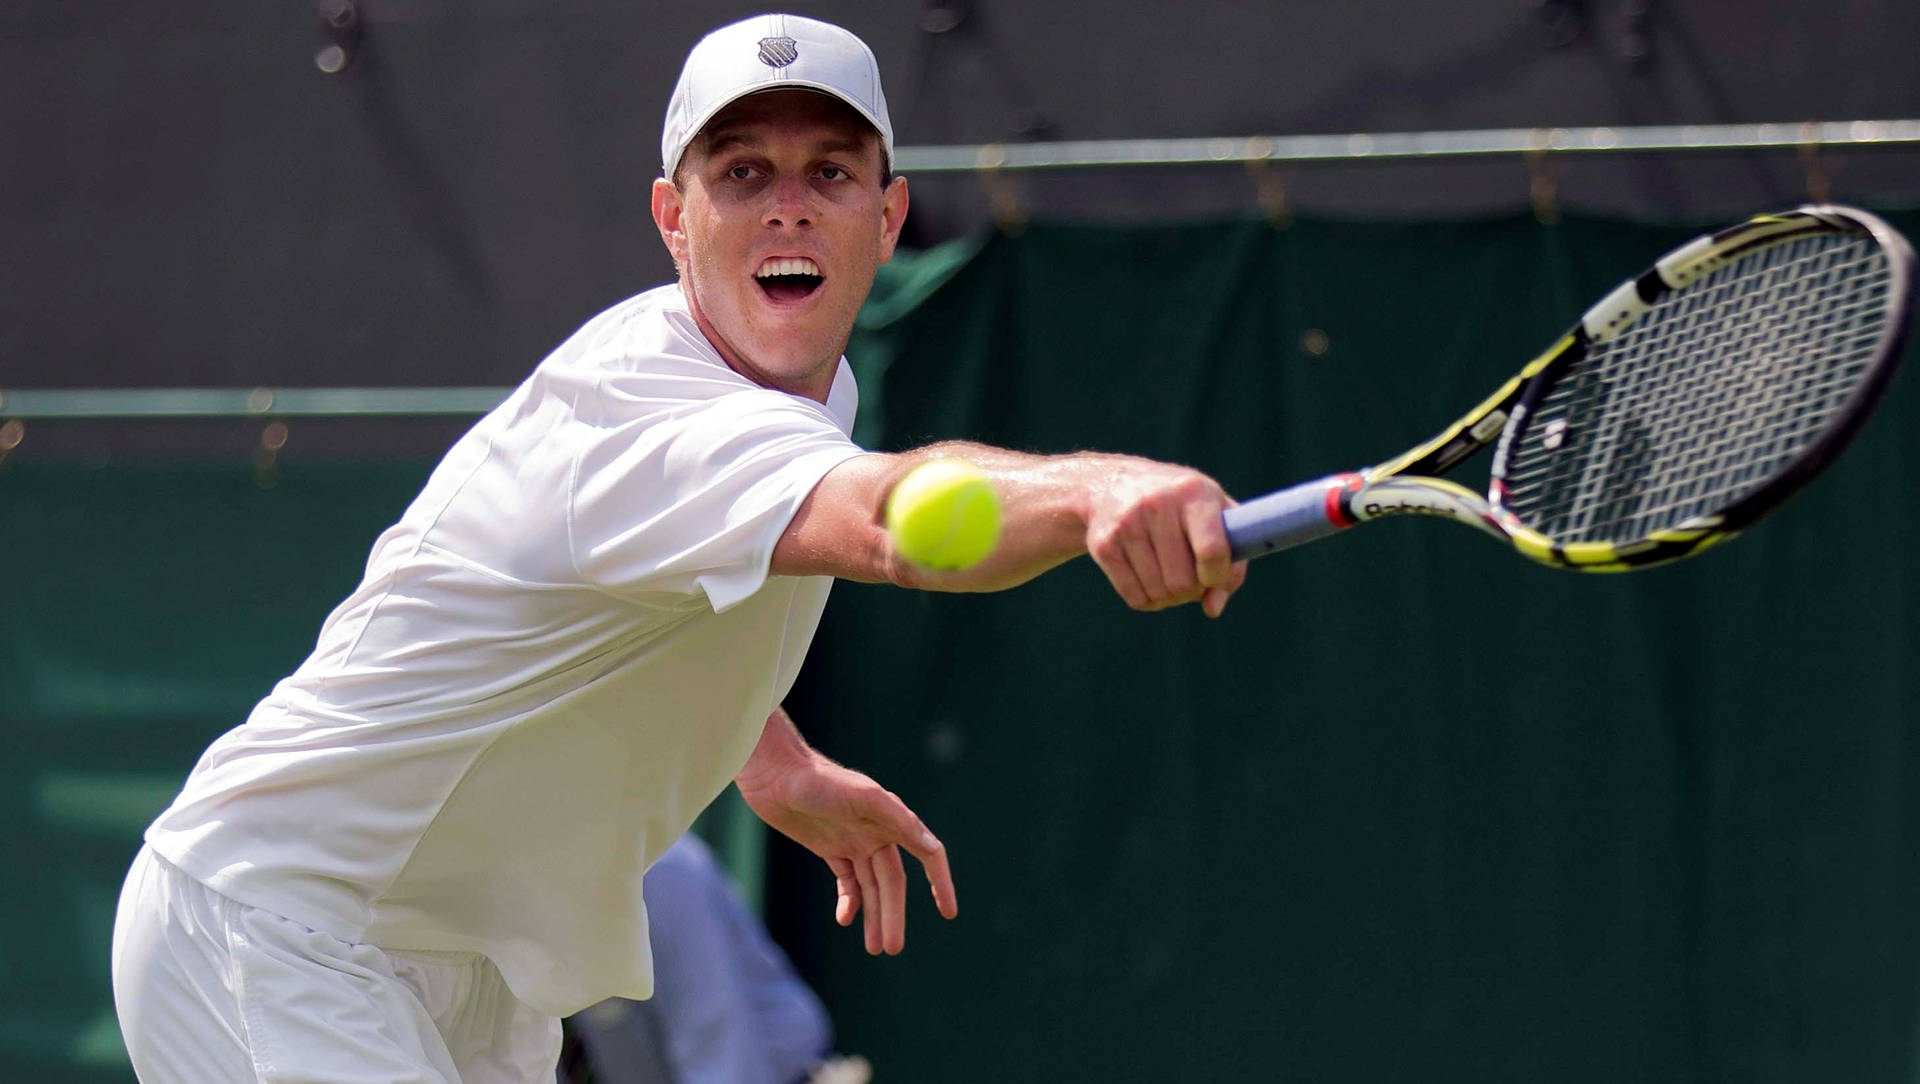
(1371, 509)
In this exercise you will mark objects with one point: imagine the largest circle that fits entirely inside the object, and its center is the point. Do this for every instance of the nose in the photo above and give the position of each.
(789, 203)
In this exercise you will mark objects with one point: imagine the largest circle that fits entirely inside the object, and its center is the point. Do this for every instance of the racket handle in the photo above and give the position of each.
(1287, 517)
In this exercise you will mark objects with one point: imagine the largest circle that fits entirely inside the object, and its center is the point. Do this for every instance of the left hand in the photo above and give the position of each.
(858, 827)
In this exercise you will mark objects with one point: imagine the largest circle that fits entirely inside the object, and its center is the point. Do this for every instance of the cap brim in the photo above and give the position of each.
(700, 123)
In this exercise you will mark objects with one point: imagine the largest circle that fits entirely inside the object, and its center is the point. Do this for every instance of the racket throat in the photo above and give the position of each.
(1420, 497)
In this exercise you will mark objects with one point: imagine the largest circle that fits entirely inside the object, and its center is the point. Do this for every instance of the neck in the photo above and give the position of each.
(815, 386)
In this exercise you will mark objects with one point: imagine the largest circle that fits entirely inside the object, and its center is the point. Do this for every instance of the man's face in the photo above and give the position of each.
(777, 226)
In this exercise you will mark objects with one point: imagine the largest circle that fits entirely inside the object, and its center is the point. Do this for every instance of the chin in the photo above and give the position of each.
(788, 365)
(796, 342)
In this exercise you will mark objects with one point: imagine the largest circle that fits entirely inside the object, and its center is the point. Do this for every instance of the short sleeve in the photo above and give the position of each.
(691, 496)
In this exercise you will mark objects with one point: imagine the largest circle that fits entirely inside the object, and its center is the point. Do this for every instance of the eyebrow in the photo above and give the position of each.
(717, 141)
(722, 139)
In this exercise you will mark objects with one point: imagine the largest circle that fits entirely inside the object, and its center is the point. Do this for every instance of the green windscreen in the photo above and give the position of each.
(1414, 809)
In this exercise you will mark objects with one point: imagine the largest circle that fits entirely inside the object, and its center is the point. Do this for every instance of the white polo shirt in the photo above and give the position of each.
(562, 653)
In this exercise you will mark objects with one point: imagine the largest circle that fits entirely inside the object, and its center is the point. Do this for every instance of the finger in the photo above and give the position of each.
(933, 860)
(870, 893)
(1112, 559)
(912, 835)
(846, 889)
(1170, 545)
(1207, 535)
(891, 876)
(1138, 547)
(1215, 600)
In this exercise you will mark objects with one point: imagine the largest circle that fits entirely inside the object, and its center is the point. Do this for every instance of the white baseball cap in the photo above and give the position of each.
(772, 52)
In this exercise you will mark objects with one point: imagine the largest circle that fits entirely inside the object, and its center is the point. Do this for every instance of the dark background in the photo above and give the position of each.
(1413, 809)
(187, 200)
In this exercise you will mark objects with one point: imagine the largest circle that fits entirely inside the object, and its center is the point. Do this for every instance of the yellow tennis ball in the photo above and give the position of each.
(944, 515)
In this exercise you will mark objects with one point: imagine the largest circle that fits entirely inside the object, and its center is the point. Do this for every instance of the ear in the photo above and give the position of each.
(668, 208)
(893, 215)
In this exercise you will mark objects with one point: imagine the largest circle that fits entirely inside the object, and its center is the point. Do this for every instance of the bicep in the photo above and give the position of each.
(693, 497)
(837, 531)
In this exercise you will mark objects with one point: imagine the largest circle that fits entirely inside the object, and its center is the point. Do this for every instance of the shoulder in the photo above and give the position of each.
(655, 326)
(644, 365)
(642, 355)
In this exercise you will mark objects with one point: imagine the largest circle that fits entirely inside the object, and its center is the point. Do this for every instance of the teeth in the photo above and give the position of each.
(787, 265)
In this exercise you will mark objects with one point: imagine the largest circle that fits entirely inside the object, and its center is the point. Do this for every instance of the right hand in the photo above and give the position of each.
(1155, 530)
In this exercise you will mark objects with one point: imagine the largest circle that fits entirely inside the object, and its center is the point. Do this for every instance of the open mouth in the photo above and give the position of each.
(789, 278)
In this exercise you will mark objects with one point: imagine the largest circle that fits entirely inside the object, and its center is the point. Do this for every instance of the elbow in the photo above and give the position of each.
(988, 576)
(891, 567)
(895, 569)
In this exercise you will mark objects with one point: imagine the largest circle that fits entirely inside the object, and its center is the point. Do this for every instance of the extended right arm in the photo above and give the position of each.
(1153, 528)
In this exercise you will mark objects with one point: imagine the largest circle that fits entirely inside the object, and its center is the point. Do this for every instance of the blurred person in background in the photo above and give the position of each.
(727, 1007)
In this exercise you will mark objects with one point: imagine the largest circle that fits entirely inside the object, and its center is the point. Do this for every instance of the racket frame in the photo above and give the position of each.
(1410, 483)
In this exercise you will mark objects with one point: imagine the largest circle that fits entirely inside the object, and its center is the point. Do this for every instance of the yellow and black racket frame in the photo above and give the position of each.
(1409, 483)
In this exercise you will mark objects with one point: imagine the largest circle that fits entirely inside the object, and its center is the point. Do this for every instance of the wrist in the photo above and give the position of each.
(1076, 482)
(780, 751)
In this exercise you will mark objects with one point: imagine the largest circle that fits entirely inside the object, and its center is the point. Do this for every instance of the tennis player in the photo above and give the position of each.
(425, 846)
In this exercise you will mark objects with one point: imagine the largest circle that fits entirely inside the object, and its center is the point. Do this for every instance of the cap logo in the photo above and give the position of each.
(778, 52)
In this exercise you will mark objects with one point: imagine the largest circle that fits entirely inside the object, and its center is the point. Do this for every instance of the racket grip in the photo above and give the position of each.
(1286, 518)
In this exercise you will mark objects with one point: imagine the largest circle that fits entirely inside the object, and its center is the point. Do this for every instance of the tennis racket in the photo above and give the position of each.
(1685, 405)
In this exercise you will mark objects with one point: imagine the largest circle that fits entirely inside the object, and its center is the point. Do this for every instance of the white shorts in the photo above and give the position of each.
(210, 990)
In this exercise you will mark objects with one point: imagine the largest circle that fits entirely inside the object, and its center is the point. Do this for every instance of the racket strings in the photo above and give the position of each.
(1709, 394)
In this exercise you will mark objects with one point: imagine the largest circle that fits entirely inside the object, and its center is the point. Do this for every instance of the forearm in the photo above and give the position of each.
(840, 529)
(1045, 506)
(1153, 528)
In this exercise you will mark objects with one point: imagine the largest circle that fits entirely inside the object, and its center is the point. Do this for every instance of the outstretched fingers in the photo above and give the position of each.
(870, 897)
(890, 918)
(875, 885)
(846, 888)
(933, 860)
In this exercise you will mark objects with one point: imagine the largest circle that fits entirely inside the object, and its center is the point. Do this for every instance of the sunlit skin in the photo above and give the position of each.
(787, 173)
